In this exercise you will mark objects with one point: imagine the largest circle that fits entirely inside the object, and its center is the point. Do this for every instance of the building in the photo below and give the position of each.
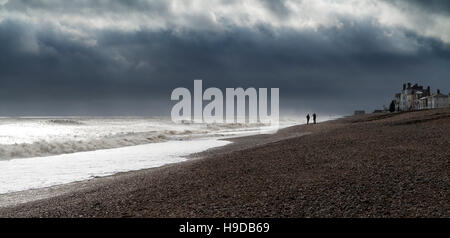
(415, 97)
(397, 101)
(437, 100)
(408, 99)
(423, 103)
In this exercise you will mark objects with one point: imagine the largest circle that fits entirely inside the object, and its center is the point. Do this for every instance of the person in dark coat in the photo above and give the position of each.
(314, 118)
(307, 119)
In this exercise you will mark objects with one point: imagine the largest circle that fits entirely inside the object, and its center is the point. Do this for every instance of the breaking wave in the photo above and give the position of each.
(55, 147)
(46, 148)
(37, 137)
(65, 122)
(221, 126)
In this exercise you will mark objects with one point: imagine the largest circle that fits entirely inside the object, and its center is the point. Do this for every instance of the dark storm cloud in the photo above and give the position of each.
(356, 64)
(277, 7)
(434, 6)
(95, 6)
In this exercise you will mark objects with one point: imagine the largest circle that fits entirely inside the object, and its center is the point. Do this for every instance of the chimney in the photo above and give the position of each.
(409, 85)
(404, 86)
(438, 91)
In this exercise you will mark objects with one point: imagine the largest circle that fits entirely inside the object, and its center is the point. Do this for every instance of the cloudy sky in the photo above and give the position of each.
(124, 57)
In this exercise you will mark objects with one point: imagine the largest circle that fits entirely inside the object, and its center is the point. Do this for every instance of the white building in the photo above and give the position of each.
(437, 100)
(417, 98)
(409, 97)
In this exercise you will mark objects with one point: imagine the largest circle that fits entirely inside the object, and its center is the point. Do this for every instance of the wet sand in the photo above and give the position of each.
(377, 165)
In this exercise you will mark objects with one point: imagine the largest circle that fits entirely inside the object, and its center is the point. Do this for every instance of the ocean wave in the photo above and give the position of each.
(65, 122)
(46, 148)
(54, 136)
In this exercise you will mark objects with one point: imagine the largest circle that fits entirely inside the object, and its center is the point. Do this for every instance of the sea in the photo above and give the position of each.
(38, 152)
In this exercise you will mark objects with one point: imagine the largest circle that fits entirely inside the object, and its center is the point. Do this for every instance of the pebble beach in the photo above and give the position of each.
(375, 165)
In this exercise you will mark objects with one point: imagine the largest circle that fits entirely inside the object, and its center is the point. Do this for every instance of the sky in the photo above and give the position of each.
(124, 58)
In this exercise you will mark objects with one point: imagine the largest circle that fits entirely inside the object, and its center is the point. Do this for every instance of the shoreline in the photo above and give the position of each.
(376, 165)
(17, 198)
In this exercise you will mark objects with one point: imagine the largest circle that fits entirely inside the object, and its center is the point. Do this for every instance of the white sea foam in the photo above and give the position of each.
(32, 137)
(39, 172)
(42, 152)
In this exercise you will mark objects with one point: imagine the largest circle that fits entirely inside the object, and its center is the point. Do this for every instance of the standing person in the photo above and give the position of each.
(314, 118)
(307, 119)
